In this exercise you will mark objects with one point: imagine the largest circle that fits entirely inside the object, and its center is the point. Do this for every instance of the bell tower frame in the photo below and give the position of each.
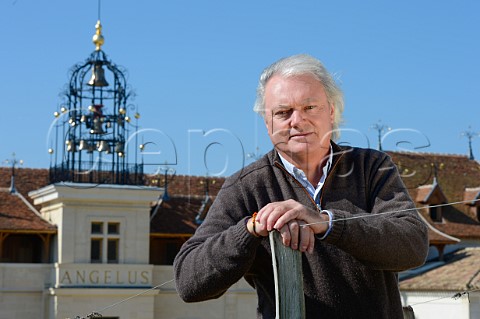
(95, 133)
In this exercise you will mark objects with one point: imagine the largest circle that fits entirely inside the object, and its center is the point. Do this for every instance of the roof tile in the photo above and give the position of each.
(460, 272)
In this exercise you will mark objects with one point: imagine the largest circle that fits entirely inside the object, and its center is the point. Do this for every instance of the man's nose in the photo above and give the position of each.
(297, 117)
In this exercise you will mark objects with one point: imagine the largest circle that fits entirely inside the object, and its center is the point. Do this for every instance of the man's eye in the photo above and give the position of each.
(282, 113)
(310, 107)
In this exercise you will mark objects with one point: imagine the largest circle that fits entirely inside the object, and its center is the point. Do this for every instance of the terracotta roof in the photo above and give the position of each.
(17, 213)
(437, 237)
(472, 195)
(187, 185)
(431, 194)
(460, 271)
(454, 174)
(458, 177)
(176, 215)
(26, 179)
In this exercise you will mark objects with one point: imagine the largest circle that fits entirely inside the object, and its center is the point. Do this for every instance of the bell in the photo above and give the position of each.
(71, 147)
(103, 147)
(85, 146)
(97, 127)
(119, 147)
(98, 76)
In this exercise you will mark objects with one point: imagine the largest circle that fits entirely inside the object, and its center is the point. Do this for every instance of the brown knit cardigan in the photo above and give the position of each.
(351, 274)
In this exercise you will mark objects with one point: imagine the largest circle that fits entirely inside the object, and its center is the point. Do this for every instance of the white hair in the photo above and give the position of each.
(302, 64)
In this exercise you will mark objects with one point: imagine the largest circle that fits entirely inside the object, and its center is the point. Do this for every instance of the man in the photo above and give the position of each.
(346, 208)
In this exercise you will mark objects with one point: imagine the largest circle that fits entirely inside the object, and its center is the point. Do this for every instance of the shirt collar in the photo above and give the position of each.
(300, 175)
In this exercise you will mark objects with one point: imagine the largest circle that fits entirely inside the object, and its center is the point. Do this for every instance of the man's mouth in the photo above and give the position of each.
(299, 135)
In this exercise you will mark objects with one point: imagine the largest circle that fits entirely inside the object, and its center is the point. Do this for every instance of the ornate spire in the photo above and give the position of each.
(380, 128)
(470, 134)
(14, 163)
(98, 39)
(93, 126)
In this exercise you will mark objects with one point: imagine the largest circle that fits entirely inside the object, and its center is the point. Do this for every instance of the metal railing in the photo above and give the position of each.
(98, 173)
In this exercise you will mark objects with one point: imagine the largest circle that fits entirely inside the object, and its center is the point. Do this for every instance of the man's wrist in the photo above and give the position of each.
(251, 225)
(327, 217)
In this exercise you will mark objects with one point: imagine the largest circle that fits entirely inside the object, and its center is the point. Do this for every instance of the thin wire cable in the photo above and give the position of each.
(96, 314)
(455, 296)
(134, 296)
(392, 212)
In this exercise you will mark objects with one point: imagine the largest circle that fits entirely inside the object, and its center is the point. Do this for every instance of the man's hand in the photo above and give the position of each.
(288, 217)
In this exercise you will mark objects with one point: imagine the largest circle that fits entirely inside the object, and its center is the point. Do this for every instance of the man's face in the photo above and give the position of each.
(298, 116)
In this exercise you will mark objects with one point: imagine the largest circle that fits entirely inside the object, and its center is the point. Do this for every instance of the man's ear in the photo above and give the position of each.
(332, 113)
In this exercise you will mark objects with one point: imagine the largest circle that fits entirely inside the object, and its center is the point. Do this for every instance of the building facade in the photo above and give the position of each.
(102, 254)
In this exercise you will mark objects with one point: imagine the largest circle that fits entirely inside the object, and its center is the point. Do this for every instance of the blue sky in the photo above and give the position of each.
(194, 66)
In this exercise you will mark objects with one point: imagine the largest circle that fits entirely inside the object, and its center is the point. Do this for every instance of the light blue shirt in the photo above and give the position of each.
(315, 192)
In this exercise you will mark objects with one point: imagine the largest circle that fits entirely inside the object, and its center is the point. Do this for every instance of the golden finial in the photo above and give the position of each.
(98, 39)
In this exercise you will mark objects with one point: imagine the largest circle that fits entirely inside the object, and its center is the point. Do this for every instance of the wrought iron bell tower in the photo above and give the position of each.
(94, 132)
